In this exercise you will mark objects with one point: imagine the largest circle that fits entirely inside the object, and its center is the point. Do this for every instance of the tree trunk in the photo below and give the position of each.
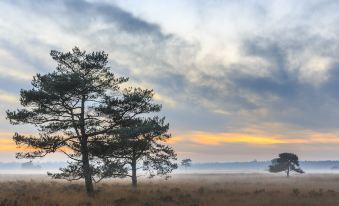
(134, 174)
(84, 151)
(288, 171)
(87, 170)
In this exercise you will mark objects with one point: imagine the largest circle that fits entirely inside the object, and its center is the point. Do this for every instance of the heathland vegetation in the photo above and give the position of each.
(182, 190)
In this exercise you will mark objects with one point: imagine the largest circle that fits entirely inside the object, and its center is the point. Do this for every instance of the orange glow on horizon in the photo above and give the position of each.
(217, 138)
(214, 139)
(256, 138)
(8, 144)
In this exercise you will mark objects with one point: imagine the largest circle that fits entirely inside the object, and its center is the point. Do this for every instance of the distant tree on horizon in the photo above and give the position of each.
(30, 166)
(75, 106)
(286, 162)
(186, 162)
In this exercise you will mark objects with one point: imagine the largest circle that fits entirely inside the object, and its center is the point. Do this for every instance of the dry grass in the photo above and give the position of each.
(184, 189)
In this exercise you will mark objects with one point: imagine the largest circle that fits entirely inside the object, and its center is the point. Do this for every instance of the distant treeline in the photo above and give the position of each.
(252, 165)
(263, 165)
(36, 165)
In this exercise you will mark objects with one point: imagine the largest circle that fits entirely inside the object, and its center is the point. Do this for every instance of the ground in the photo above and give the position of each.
(181, 189)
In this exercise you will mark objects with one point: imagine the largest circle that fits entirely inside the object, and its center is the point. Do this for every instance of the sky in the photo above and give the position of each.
(238, 80)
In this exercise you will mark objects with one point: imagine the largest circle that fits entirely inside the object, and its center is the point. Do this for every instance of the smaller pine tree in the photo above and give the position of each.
(286, 162)
(141, 146)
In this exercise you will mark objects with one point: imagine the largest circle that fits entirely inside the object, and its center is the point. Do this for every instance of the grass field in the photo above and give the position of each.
(182, 189)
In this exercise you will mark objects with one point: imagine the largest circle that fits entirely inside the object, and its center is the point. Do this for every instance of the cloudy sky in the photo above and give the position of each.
(239, 80)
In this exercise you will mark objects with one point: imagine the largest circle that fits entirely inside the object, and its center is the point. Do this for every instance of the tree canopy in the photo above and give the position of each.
(286, 162)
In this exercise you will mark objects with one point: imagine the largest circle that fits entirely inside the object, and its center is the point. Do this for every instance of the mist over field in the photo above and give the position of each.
(329, 166)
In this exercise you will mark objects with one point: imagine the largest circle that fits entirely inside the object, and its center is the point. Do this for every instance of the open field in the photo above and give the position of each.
(182, 189)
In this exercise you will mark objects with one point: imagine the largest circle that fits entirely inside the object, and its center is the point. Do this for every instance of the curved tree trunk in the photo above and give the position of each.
(288, 171)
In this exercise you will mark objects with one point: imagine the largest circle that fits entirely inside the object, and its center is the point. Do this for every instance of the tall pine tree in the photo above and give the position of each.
(74, 107)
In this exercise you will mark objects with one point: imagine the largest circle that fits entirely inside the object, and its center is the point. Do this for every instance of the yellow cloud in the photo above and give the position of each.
(252, 136)
(324, 137)
(217, 138)
(174, 139)
(8, 148)
(7, 144)
(6, 141)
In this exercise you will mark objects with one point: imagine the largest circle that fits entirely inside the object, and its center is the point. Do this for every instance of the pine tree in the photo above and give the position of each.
(142, 146)
(286, 162)
(74, 107)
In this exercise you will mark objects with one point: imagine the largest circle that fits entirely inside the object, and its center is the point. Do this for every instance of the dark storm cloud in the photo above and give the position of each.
(81, 14)
(280, 81)
(295, 101)
(74, 17)
(172, 82)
